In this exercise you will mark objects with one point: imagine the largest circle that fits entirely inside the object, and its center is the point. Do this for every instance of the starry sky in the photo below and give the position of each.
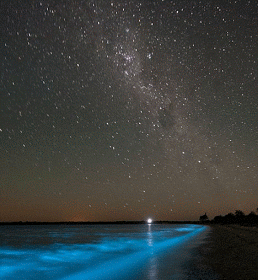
(123, 110)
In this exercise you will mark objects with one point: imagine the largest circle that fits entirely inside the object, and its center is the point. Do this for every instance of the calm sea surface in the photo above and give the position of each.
(103, 252)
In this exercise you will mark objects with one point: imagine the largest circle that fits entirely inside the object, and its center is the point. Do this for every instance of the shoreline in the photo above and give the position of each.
(232, 251)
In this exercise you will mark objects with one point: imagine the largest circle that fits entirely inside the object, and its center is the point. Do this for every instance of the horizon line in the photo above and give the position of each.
(95, 222)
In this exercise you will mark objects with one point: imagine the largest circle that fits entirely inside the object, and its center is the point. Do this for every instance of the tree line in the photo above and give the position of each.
(239, 217)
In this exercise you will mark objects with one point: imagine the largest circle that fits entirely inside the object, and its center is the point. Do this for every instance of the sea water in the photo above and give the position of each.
(107, 251)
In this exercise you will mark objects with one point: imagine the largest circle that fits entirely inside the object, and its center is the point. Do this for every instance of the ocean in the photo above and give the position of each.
(103, 251)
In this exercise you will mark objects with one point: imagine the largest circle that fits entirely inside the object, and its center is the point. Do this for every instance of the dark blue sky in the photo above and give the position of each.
(120, 110)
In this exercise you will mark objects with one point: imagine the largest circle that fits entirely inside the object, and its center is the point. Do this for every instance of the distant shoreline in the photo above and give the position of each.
(97, 223)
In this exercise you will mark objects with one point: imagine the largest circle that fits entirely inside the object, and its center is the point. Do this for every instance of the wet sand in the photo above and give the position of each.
(232, 252)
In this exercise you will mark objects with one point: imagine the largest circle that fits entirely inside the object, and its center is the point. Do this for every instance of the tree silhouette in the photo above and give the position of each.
(204, 218)
(238, 218)
(239, 213)
(230, 218)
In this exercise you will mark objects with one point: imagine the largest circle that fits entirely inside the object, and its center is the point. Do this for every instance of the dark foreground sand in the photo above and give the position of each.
(232, 252)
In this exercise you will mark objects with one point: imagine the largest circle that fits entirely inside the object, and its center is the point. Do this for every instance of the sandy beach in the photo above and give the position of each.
(232, 252)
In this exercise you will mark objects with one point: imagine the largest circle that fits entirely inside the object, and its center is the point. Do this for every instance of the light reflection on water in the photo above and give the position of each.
(95, 251)
(152, 270)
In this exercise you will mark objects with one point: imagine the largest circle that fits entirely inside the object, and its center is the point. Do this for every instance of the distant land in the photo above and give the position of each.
(239, 218)
(96, 223)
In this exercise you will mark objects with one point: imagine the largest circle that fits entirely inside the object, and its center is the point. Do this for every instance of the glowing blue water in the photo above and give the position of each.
(99, 251)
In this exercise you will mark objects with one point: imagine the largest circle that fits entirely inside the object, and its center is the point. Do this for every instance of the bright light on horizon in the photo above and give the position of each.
(149, 221)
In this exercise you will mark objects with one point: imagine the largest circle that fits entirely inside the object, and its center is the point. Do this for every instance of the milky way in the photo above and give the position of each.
(120, 110)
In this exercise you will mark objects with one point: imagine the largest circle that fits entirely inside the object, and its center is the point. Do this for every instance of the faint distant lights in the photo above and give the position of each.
(149, 221)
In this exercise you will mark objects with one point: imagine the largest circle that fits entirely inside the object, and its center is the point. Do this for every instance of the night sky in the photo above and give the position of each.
(123, 110)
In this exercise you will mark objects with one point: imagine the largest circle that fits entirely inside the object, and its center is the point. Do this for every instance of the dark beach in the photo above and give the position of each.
(232, 252)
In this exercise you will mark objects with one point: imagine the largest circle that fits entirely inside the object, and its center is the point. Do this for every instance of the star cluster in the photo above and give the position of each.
(117, 110)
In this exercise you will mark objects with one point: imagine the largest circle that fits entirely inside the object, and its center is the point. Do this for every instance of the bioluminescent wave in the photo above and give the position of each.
(97, 252)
